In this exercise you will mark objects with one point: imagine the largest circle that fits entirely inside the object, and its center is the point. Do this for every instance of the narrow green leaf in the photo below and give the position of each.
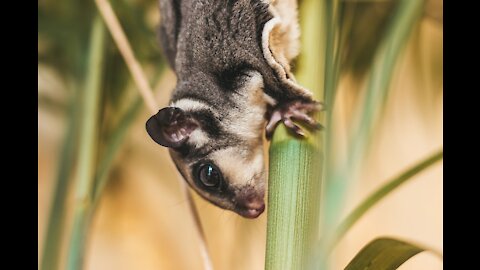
(380, 193)
(338, 178)
(384, 254)
(56, 219)
(114, 142)
(113, 145)
(332, 8)
(88, 145)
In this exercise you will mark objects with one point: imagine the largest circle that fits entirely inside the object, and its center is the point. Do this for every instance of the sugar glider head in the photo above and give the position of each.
(218, 152)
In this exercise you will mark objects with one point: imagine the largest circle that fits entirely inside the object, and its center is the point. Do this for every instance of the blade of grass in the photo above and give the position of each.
(56, 219)
(385, 254)
(379, 194)
(146, 92)
(331, 79)
(88, 141)
(332, 71)
(115, 142)
(113, 145)
(295, 171)
(125, 49)
(406, 14)
(336, 31)
(339, 29)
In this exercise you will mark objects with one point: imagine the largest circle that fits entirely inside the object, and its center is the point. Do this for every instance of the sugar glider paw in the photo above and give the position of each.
(298, 110)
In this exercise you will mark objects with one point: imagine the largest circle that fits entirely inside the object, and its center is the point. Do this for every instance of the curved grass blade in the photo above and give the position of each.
(384, 254)
(379, 194)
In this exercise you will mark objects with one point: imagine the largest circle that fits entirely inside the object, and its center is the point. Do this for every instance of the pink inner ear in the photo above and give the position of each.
(179, 134)
(180, 129)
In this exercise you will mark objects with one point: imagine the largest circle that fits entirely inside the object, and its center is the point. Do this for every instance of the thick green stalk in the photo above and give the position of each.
(293, 201)
(88, 146)
(296, 165)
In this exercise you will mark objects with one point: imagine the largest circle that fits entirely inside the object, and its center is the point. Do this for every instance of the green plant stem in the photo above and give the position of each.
(331, 78)
(56, 220)
(331, 74)
(296, 165)
(295, 171)
(403, 20)
(88, 141)
(114, 143)
(379, 194)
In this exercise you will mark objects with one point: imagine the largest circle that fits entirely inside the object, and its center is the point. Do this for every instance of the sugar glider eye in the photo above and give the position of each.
(209, 176)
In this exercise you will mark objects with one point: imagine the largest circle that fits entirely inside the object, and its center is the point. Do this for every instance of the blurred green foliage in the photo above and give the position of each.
(362, 25)
(63, 32)
(63, 43)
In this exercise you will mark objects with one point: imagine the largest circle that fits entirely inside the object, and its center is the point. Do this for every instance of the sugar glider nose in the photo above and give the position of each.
(251, 206)
(256, 203)
(255, 210)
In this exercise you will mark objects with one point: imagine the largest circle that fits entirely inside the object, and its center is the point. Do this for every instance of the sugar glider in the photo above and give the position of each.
(232, 62)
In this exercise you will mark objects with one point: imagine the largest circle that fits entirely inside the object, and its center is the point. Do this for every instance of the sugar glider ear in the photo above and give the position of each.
(281, 44)
(171, 127)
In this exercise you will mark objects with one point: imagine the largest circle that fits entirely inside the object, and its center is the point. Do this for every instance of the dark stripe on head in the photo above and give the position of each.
(209, 123)
(219, 138)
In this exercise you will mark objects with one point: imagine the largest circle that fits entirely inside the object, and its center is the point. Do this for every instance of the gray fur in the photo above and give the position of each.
(204, 38)
(215, 48)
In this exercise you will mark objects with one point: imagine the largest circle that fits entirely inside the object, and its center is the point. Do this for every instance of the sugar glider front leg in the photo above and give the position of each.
(280, 44)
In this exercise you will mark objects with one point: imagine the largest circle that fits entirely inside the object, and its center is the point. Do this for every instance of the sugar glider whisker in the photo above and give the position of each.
(232, 62)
